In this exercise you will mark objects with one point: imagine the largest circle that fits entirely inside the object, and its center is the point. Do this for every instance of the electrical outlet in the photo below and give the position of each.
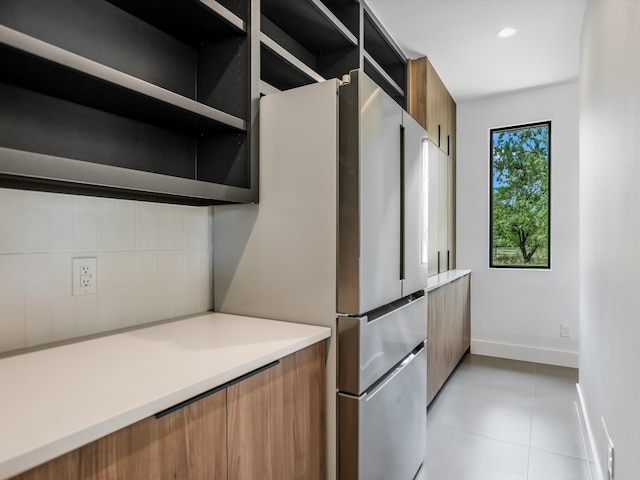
(85, 276)
(565, 330)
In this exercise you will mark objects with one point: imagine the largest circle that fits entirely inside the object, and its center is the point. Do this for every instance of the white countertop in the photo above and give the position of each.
(436, 281)
(58, 399)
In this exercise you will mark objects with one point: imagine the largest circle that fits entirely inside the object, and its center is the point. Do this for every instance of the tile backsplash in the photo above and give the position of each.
(154, 262)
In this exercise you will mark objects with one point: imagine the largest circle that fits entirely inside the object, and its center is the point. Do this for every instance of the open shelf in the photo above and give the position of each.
(383, 59)
(308, 37)
(51, 70)
(153, 88)
(193, 21)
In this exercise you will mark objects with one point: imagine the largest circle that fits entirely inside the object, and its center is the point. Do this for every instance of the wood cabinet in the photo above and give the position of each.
(265, 425)
(189, 443)
(449, 331)
(276, 420)
(430, 103)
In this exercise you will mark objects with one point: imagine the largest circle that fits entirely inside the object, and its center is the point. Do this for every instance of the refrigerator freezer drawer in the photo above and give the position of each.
(369, 346)
(382, 434)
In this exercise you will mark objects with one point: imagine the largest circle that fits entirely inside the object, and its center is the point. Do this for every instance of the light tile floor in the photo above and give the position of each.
(498, 419)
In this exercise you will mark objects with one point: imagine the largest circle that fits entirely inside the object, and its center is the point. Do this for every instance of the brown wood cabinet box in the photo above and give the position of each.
(449, 331)
(268, 426)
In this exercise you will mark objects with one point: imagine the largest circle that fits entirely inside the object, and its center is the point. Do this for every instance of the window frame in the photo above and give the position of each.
(522, 126)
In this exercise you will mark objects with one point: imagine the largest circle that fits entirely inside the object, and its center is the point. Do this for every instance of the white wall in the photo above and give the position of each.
(154, 262)
(610, 229)
(517, 313)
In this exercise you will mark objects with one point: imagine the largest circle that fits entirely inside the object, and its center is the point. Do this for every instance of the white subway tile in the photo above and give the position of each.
(36, 228)
(107, 223)
(37, 274)
(11, 223)
(190, 222)
(144, 226)
(87, 314)
(126, 225)
(205, 279)
(192, 304)
(63, 308)
(205, 236)
(146, 287)
(164, 284)
(176, 228)
(162, 226)
(86, 224)
(179, 283)
(127, 288)
(61, 222)
(108, 291)
(13, 333)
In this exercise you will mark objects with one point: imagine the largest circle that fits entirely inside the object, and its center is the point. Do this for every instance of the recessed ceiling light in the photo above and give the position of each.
(507, 32)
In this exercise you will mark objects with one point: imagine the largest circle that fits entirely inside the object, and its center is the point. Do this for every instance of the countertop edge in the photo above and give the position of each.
(437, 281)
(40, 454)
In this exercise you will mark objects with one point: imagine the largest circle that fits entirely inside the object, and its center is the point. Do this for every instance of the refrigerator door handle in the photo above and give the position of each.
(402, 200)
(396, 371)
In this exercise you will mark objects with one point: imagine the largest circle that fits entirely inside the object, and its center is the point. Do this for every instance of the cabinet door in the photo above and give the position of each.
(276, 420)
(437, 347)
(443, 210)
(435, 106)
(434, 201)
(189, 443)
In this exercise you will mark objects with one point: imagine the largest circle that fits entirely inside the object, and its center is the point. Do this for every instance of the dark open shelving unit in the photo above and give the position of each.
(158, 88)
(158, 99)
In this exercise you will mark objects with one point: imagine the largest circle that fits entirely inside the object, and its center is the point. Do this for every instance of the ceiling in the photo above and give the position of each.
(459, 37)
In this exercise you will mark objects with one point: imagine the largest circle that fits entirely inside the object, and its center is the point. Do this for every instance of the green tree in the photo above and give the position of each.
(520, 181)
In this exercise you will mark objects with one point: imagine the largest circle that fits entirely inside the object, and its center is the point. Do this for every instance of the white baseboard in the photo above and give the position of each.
(547, 356)
(589, 442)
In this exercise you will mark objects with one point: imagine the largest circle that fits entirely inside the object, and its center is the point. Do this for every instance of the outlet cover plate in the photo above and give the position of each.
(85, 276)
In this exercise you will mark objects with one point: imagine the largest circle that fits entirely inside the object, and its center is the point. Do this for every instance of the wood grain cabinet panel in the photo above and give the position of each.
(430, 103)
(268, 426)
(276, 420)
(449, 331)
(189, 443)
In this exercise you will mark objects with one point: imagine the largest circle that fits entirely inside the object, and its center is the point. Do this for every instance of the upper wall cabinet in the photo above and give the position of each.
(133, 98)
(431, 104)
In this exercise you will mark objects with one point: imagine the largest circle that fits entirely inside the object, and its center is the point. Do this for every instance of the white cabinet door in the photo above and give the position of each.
(415, 215)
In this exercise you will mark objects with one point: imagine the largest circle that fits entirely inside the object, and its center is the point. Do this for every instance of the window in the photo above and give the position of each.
(520, 196)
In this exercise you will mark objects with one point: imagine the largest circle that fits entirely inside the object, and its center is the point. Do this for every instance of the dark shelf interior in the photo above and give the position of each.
(123, 41)
(303, 30)
(348, 12)
(188, 20)
(52, 79)
(375, 75)
(279, 73)
(306, 23)
(39, 123)
(377, 45)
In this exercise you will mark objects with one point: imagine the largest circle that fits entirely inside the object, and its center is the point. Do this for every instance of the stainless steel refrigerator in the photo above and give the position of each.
(339, 239)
